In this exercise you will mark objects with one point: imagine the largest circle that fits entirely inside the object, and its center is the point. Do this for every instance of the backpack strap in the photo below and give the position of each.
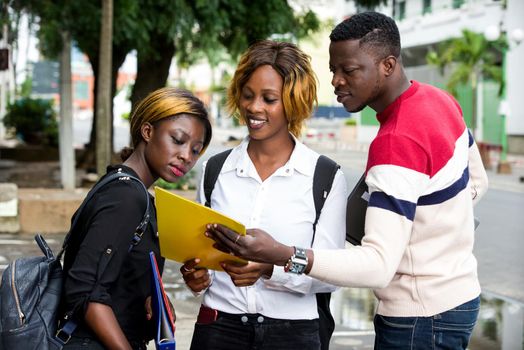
(213, 167)
(118, 175)
(325, 172)
(323, 178)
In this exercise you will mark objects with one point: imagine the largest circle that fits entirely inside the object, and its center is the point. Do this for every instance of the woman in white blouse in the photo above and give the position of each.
(266, 182)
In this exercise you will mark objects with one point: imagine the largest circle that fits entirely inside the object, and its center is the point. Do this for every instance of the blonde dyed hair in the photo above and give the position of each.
(299, 93)
(168, 102)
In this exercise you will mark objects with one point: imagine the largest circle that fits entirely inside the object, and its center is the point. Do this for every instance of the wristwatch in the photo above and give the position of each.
(298, 262)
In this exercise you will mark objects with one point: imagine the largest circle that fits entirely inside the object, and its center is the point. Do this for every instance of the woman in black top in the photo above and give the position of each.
(170, 129)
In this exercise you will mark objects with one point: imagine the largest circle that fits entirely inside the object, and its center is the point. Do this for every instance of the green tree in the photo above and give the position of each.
(191, 30)
(161, 29)
(470, 58)
(82, 19)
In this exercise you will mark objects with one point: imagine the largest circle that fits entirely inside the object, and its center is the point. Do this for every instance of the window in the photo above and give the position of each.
(400, 11)
(426, 7)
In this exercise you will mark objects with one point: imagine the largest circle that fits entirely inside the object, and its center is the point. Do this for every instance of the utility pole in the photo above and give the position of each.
(3, 79)
(67, 153)
(103, 122)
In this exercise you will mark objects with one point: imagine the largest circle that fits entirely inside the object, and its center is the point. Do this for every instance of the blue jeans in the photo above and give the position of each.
(448, 330)
(255, 332)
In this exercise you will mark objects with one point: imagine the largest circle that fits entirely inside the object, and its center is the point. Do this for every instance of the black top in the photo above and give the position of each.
(108, 224)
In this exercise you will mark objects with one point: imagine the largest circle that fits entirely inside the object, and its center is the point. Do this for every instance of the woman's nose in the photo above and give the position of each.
(254, 106)
(185, 154)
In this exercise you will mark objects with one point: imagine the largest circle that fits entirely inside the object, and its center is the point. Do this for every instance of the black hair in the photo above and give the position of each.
(376, 32)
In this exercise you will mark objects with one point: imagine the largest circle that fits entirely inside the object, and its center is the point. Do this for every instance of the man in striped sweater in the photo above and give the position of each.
(424, 175)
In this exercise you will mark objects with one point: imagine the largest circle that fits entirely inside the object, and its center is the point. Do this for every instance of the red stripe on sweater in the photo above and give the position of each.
(418, 130)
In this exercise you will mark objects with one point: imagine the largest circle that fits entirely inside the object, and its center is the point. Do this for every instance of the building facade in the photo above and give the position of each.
(425, 23)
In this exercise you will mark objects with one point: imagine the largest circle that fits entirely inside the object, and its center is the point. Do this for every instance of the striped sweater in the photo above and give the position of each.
(424, 174)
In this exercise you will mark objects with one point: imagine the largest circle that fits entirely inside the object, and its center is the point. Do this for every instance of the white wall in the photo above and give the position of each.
(515, 70)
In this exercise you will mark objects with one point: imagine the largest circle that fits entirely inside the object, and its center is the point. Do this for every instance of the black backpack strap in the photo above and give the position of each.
(323, 178)
(213, 167)
(325, 172)
(118, 175)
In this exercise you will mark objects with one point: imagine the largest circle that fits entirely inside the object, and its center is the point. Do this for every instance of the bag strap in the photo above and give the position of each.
(213, 167)
(121, 176)
(325, 171)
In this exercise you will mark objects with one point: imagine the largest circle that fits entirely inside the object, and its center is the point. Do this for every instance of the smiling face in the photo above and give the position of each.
(173, 145)
(357, 75)
(261, 105)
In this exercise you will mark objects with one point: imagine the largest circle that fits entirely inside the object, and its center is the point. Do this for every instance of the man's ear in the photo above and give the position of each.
(389, 65)
(146, 130)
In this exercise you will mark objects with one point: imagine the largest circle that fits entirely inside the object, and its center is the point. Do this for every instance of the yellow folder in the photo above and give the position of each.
(181, 227)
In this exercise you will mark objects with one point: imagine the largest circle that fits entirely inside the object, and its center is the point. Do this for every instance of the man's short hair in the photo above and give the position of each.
(377, 33)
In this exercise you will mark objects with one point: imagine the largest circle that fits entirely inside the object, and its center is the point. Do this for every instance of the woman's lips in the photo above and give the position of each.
(178, 172)
(255, 123)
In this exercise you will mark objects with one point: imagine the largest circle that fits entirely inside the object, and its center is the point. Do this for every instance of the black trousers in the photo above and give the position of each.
(255, 332)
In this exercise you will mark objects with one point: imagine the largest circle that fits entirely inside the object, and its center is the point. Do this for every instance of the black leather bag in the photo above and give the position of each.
(31, 288)
(29, 298)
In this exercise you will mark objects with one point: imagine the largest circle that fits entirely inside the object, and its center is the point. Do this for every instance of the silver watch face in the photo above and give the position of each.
(297, 268)
(298, 265)
(298, 262)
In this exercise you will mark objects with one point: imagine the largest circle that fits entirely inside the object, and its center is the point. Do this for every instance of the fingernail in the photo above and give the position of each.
(206, 233)
(215, 225)
(208, 226)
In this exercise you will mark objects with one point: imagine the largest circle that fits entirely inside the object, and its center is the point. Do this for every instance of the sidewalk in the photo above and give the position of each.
(509, 182)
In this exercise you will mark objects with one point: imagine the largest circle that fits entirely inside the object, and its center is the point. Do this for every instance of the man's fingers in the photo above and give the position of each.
(221, 247)
(225, 232)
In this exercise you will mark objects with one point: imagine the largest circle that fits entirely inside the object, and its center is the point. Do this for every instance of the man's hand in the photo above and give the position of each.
(247, 274)
(257, 245)
(196, 279)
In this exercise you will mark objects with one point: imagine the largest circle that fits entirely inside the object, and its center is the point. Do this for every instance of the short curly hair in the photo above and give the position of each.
(377, 33)
(299, 93)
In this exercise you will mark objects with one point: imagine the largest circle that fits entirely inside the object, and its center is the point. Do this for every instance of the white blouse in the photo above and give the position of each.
(283, 206)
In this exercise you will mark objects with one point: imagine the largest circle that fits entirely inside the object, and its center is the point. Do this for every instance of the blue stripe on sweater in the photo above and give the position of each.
(398, 206)
(471, 139)
(446, 193)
